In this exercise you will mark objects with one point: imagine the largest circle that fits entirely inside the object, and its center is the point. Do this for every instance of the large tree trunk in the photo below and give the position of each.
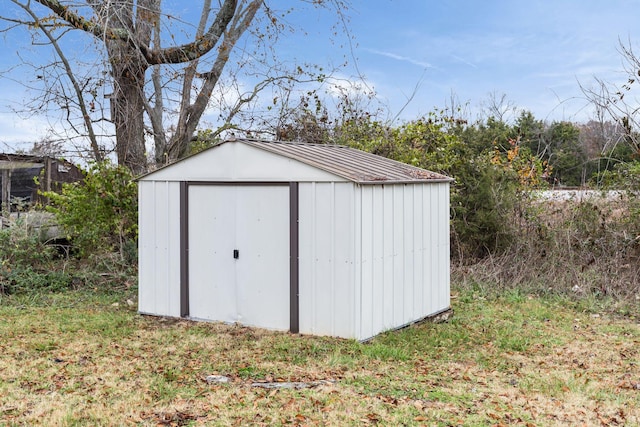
(128, 67)
(127, 113)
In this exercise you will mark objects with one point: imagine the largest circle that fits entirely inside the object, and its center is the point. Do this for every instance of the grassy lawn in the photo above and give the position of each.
(78, 358)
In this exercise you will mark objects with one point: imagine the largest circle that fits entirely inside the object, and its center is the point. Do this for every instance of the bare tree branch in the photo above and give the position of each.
(81, 23)
(187, 126)
(71, 76)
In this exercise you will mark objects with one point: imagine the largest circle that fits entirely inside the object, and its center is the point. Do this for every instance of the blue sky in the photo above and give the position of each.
(534, 52)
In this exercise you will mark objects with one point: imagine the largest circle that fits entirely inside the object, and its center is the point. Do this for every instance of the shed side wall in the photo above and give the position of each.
(326, 259)
(402, 263)
(159, 248)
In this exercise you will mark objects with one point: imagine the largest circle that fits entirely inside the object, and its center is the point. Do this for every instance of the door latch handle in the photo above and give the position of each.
(236, 254)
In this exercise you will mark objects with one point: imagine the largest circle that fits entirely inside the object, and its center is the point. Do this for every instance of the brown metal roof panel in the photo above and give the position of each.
(350, 163)
(361, 166)
(332, 159)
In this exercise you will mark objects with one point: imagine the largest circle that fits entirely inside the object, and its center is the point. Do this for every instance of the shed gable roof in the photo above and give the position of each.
(344, 162)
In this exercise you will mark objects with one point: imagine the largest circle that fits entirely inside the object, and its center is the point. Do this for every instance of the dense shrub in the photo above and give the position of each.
(99, 217)
(100, 214)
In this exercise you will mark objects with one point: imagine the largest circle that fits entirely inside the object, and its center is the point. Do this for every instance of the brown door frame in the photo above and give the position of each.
(294, 284)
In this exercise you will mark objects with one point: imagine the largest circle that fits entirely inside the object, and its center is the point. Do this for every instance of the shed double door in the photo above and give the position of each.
(239, 254)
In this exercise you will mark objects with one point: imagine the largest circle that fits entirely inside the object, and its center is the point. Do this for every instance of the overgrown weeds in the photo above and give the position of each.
(29, 264)
(26, 262)
(97, 220)
(584, 248)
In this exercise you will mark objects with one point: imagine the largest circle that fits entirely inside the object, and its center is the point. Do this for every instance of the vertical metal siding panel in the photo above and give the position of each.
(173, 243)
(160, 230)
(313, 257)
(165, 268)
(438, 282)
(398, 253)
(388, 255)
(447, 252)
(323, 302)
(377, 266)
(408, 246)
(443, 227)
(332, 257)
(315, 283)
(327, 259)
(146, 244)
(444, 252)
(436, 230)
(357, 245)
(306, 198)
(343, 275)
(159, 236)
(429, 252)
(354, 277)
(367, 312)
(438, 233)
(418, 248)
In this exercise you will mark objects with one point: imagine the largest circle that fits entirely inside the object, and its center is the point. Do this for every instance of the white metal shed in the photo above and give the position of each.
(309, 238)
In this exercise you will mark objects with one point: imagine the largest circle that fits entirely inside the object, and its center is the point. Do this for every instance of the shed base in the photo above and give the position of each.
(438, 317)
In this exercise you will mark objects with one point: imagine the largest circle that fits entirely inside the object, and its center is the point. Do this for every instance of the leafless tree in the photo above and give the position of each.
(599, 137)
(499, 107)
(618, 102)
(159, 67)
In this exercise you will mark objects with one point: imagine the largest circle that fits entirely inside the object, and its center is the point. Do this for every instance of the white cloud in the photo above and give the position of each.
(464, 61)
(397, 57)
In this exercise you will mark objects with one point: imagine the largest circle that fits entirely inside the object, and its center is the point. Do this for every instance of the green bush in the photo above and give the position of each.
(100, 214)
(483, 205)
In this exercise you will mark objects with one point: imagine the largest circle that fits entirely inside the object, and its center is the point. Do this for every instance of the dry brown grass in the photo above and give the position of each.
(74, 359)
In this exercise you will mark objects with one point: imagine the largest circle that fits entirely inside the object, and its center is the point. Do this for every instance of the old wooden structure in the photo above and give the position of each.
(18, 173)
